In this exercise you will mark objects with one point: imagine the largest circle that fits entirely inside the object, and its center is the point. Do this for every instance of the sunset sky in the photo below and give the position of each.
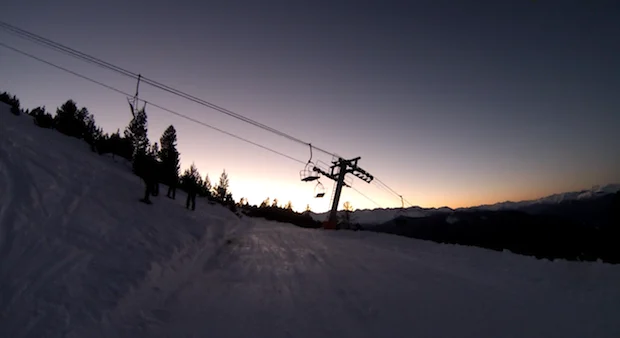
(450, 103)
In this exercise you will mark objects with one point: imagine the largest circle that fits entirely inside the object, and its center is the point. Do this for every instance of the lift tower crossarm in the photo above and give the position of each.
(330, 176)
(344, 167)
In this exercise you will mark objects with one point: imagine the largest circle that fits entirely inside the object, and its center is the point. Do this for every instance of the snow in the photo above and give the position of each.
(76, 243)
(81, 257)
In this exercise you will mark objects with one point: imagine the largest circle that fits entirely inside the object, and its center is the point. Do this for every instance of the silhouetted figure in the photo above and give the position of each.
(190, 183)
(149, 191)
(172, 188)
(155, 185)
(147, 168)
(192, 190)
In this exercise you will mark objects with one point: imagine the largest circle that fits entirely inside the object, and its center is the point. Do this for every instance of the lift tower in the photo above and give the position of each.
(339, 169)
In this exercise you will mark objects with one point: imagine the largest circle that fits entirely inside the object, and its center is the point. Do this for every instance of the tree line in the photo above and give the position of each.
(272, 210)
(133, 144)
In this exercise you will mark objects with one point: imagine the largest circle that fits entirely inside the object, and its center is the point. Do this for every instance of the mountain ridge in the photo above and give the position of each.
(382, 215)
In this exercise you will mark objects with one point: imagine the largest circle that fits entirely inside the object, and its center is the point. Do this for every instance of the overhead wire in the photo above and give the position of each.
(383, 189)
(368, 198)
(64, 49)
(93, 60)
(393, 191)
(150, 103)
(88, 58)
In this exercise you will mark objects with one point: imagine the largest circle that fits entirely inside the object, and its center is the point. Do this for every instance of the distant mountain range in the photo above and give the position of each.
(372, 217)
(595, 191)
(583, 228)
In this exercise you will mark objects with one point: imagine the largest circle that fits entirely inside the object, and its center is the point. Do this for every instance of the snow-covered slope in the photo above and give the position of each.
(80, 257)
(76, 246)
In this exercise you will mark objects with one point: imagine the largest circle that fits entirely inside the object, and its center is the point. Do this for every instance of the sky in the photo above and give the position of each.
(449, 103)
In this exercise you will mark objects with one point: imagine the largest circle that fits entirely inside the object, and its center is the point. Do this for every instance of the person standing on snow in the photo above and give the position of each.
(148, 171)
(192, 190)
(172, 186)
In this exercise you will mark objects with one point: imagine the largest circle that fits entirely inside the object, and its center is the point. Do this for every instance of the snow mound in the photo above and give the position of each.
(76, 246)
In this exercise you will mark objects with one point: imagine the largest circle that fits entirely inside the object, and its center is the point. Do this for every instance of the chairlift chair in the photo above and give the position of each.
(319, 190)
(308, 174)
(348, 181)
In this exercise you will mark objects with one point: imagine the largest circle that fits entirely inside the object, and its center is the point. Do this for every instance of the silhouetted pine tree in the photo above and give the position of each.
(42, 118)
(80, 122)
(265, 203)
(91, 132)
(70, 120)
(124, 147)
(12, 101)
(154, 150)
(120, 146)
(136, 134)
(169, 156)
(221, 191)
(191, 177)
(348, 209)
(289, 206)
(228, 199)
(275, 203)
(102, 144)
(114, 144)
(268, 211)
(206, 189)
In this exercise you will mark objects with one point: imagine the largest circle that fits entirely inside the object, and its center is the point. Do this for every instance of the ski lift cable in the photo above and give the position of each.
(161, 107)
(88, 58)
(368, 198)
(176, 113)
(85, 57)
(384, 189)
(381, 187)
(392, 190)
(64, 49)
(151, 103)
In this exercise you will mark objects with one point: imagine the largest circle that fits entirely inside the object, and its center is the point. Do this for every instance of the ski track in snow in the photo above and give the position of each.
(281, 281)
(81, 257)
